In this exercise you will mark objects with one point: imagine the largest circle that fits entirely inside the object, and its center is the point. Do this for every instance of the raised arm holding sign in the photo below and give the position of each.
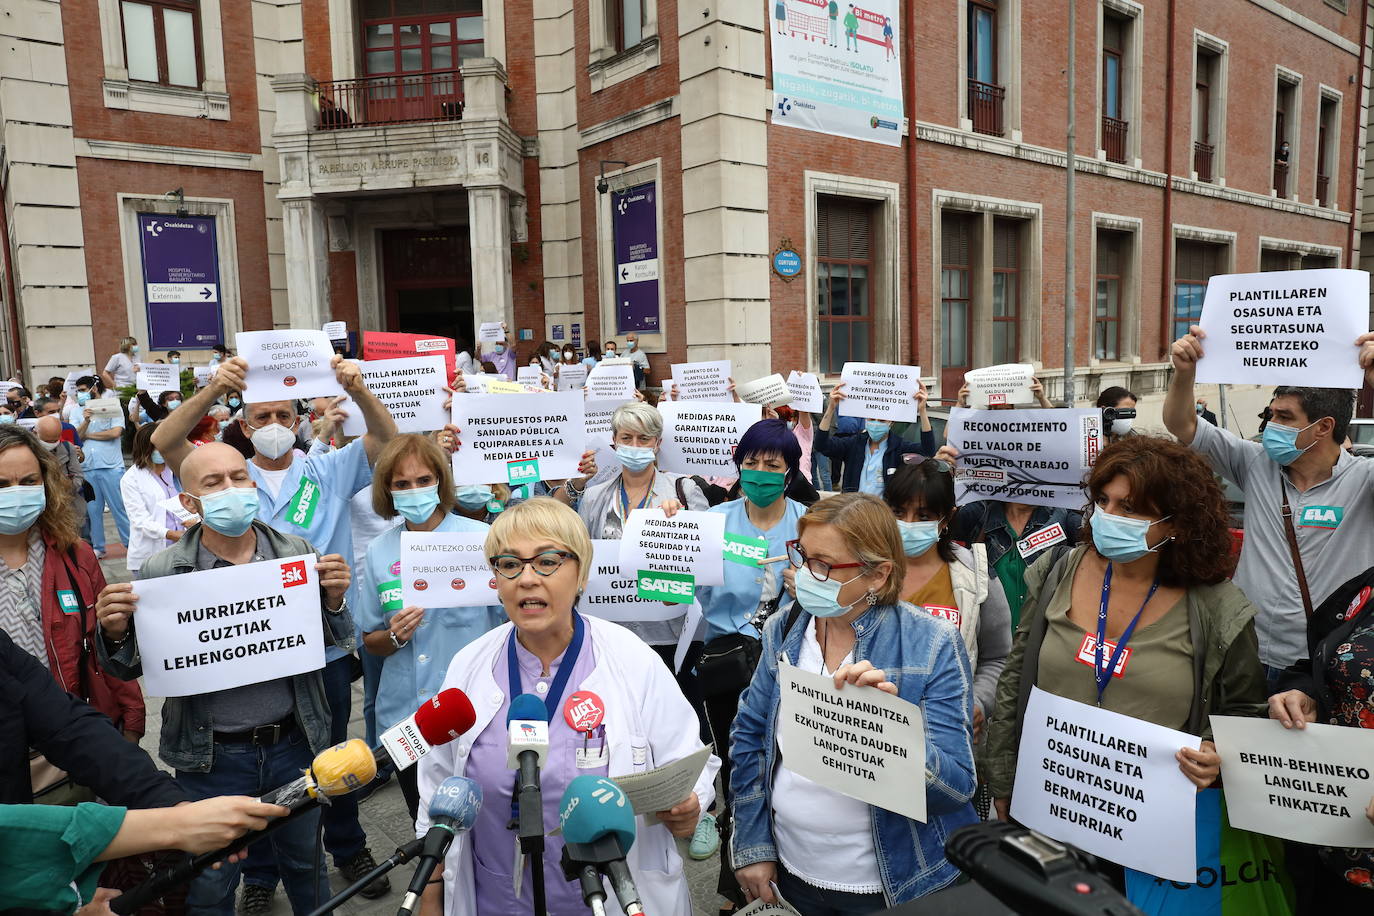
(287, 364)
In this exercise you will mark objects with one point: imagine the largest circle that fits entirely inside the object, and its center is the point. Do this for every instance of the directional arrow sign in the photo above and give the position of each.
(205, 293)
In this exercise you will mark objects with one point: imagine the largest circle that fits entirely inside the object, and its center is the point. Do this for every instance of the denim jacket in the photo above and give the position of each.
(188, 739)
(925, 658)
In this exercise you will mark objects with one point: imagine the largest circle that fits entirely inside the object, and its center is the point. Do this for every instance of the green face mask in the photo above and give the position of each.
(762, 488)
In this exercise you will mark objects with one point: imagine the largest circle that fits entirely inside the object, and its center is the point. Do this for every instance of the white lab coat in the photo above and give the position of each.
(648, 724)
(147, 520)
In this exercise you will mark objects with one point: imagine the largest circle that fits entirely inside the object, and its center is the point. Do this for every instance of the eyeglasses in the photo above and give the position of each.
(941, 465)
(819, 569)
(547, 563)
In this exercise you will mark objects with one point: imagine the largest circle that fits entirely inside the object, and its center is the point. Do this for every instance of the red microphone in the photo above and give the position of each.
(439, 720)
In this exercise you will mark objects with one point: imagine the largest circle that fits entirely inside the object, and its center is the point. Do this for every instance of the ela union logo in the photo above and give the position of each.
(293, 574)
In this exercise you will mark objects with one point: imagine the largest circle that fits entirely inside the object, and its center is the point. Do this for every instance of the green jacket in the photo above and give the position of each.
(1228, 679)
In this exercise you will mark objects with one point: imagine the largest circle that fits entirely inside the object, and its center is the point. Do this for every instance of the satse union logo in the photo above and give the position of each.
(293, 574)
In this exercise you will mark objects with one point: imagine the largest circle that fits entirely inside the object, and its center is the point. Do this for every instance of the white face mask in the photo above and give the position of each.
(273, 441)
(50, 446)
(1122, 427)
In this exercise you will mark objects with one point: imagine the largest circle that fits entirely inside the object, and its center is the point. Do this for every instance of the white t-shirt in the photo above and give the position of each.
(823, 837)
(273, 480)
(121, 369)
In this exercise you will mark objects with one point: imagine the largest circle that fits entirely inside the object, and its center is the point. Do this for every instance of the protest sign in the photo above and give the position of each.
(156, 378)
(491, 332)
(28, 423)
(597, 419)
(662, 788)
(378, 345)
(173, 505)
(69, 386)
(612, 593)
(283, 365)
(770, 391)
(615, 382)
(336, 331)
(670, 557)
(806, 392)
(518, 439)
(706, 381)
(880, 391)
(202, 374)
(533, 376)
(108, 408)
(205, 631)
(1310, 785)
(446, 569)
(1285, 327)
(700, 437)
(1000, 386)
(1040, 457)
(571, 377)
(858, 741)
(412, 391)
(491, 384)
(1107, 783)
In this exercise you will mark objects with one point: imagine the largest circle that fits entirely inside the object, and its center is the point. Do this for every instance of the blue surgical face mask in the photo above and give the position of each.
(20, 508)
(157, 457)
(1280, 442)
(500, 348)
(1121, 539)
(877, 429)
(173, 404)
(6, 418)
(230, 511)
(235, 403)
(634, 457)
(822, 599)
(416, 505)
(474, 496)
(82, 397)
(918, 537)
(223, 424)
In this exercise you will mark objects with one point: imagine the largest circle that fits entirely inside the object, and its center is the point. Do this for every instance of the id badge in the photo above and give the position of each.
(592, 757)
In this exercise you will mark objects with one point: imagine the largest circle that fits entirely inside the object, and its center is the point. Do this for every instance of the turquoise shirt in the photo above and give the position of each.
(48, 852)
(727, 608)
(415, 672)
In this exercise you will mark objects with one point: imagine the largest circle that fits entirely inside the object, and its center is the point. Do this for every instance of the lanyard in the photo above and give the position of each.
(625, 499)
(1104, 674)
(555, 694)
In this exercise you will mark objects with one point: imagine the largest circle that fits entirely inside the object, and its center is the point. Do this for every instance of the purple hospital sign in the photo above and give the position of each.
(181, 281)
(634, 220)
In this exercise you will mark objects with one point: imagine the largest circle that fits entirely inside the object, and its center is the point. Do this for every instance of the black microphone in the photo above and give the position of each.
(452, 810)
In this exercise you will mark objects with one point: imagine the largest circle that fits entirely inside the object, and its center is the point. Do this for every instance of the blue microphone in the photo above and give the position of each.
(452, 810)
(598, 825)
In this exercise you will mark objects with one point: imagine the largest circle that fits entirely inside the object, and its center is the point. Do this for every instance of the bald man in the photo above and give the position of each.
(244, 740)
(49, 432)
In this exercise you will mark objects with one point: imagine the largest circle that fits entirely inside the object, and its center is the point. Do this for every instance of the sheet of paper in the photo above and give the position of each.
(446, 569)
(662, 788)
(69, 386)
(1310, 785)
(173, 505)
(806, 392)
(611, 593)
(518, 439)
(336, 331)
(532, 376)
(770, 391)
(611, 382)
(1285, 327)
(491, 332)
(156, 378)
(1108, 784)
(289, 364)
(205, 631)
(1039, 457)
(699, 437)
(703, 381)
(572, 377)
(412, 390)
(858, 741)
(202, 374)
(1000, 386)
(880, 391)
(780, 908)
(672, 556)
(109, 408)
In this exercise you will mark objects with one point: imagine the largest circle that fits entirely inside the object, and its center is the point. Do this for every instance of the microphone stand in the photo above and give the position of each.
(402, 855)
(531, 834)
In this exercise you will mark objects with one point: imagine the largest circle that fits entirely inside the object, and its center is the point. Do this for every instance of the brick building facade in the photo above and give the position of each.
(425, 165)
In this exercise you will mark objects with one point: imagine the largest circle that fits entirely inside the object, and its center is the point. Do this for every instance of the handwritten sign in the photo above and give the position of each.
(671, 556)
(700, 437)
(879, 391)
(412, 391)
(770, 391)
(1039, 457)
(446, 569)
(283, 365)
(1000, 386)
(501, 430)
(704, 381)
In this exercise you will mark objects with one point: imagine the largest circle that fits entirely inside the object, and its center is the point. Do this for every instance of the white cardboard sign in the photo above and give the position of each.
(704, 381)
(108, 408)
(498, 430)
(611, 593)
(1310, 785)
(571, 377)
(491, 332)
(700, 437)
(615, 382)
(1039, 457)
(1107, 783)
(446, 569)
(336, 330)
(858, 741)
(1285, 327)
(1000, 386)
(202, 374)
(770, 391)
(411, 389)
(880, 391)
(690, 544)
(69, 386)
(156, 378)
(285, 365)
(205, 631)
(806, 392)
(533, 376)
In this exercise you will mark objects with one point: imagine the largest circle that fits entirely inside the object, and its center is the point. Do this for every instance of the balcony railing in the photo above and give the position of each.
(1281, 179)
(375, 100)
(1202, 159)
(1114, 133)
(1323, 189)
(985, 107)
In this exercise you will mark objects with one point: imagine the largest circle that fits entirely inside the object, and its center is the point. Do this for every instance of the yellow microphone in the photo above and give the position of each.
(336, 770)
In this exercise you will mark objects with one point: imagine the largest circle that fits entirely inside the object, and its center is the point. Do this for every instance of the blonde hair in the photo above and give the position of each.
(869, 530)
(638, 418)
(404, 446)
(543, 518)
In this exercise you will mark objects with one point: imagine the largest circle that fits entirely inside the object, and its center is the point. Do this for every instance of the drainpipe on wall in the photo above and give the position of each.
(913, 222)
(1166, 260)
(11, 302)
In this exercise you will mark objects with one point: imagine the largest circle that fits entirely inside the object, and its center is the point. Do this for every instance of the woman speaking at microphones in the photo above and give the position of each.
(827, 853)
(613, 709)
